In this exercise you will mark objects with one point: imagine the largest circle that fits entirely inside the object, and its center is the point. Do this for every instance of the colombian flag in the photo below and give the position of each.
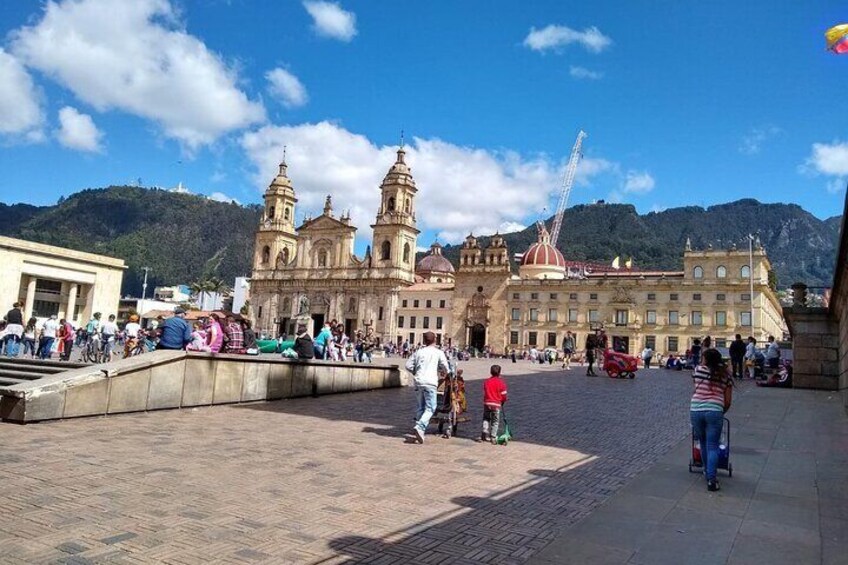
(837, 39)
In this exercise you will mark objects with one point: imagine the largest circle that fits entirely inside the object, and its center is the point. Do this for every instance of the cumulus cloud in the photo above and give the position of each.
(584, 73)
(136, 57)
(331, 20)
(511, 227)
(286, 88)
(753, 141)
(20, 108)
(221, 197)
(555, 37)
(326, 158)
(829, 159)
(637, 182)
(77, 131)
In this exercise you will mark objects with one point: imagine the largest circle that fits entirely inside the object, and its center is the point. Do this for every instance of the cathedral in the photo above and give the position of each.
(310, 274)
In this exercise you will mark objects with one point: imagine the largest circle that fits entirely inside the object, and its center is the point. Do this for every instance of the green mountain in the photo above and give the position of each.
(800, 246)
(182, 236)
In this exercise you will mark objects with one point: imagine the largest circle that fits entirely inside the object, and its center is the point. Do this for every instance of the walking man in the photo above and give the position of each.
(48, 336)
(14, 329)
(568, 345)
(737, 356)
(425, 365)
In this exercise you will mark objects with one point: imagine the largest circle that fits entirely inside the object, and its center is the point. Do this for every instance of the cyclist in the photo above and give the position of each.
(131, 332)
(92, 327)
(108, 333)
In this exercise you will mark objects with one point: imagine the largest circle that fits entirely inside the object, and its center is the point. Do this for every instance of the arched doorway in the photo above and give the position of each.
(478, 337)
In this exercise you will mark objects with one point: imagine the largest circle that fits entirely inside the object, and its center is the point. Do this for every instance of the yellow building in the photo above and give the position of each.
(50, 280)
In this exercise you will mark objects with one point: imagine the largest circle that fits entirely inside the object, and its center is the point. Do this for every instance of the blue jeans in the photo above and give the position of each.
(320, 351)
(706, 426)
(46, 347)
(12, 345)
(426, 398)
(29, 346)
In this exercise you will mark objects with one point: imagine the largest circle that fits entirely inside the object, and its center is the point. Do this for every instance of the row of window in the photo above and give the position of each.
(721, 272)
(425, 322)
(427, 303)
(672, 341)
(652, 296)
(413, 341)
(622, 317)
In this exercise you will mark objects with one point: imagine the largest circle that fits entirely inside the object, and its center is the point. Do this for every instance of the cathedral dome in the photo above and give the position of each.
(542, 260)
(434, 265)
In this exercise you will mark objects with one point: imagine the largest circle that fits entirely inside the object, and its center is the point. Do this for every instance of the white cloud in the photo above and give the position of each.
(511, 227)
(326, 158)
(753, 141)
(331, 20)
(136, 57)
(829, 159)
(77, 131)
(584, 73)
(557, 36)
(286, 88)
(638, 182)
(835, 186)
(20, 108)
(221, 197)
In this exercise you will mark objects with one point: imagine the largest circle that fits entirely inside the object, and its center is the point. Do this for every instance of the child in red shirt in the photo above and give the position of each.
(494, 397)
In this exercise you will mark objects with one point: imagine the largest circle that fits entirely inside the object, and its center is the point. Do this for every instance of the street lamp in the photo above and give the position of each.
(751, 279)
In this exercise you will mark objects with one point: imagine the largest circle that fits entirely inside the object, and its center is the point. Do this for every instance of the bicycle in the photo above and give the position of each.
(92, 352)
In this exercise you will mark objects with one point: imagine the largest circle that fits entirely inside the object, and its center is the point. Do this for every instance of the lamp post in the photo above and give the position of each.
(143, 291)
(751, 279)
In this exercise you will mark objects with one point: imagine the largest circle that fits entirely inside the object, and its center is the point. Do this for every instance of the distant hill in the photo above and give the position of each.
(180, 236)
(800, 246)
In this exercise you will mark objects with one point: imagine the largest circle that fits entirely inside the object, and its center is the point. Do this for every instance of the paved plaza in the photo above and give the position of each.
(333, 480)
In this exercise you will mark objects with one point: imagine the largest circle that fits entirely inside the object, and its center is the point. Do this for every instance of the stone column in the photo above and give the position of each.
(30, 298)
(62, 294)
(72, 303)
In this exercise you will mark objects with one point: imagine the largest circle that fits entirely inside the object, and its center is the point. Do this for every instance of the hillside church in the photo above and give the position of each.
(310, 274)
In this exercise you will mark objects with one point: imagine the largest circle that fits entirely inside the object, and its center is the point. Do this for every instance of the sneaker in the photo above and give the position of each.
(713, 486)
(419, 435)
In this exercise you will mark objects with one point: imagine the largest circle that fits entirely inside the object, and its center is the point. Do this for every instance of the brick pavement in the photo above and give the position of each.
(332, 480)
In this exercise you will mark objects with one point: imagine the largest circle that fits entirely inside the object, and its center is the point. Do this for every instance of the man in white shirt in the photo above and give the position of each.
(772, 353)
(108, 332)
(425, 365)
(48, 336)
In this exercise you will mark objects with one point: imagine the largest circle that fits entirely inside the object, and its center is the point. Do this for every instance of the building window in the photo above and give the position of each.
(673, 318)
(746, 296)
(513, 338)
(400, 321)
(48, 287)
(720, 297)
(288, 213)
(745, 272)
(429, 304)
(516, 314)
(721, 318)
(415, 304)
(404, 303)
(593, 296)
(698, 272)
(572, 315)
(651, 317)
(553, 296)
(406, 253)
(271, 212)
(44, 309)
(673, 297)
(259, 314)
(651, 341)
(516, 296)
(593, 316)
(721, 272)
(672, 344)
(322, 258)
(534, 314)
(552, 315)
(696, 297)
(426, 324)
(438, 322)
(572, 296)
(531, 338)
(411, 338)
(697, 318)
(441, 303)
(552, 342)
(412, 322)
(621, 317)
(745, 318)
(652, 296)
(380, 314)
(266, 255)
(438, 339)
(386, 251)
(534, 296)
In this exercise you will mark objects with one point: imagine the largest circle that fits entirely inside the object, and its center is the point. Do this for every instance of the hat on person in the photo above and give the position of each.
(53, 316)
(178, 311)
(134, 318)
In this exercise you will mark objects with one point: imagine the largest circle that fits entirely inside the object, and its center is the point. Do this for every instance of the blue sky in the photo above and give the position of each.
(685, 103)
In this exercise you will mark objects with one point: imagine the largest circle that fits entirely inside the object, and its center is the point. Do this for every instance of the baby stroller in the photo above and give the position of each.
(451, 406)
(620, 365)
(696, 462)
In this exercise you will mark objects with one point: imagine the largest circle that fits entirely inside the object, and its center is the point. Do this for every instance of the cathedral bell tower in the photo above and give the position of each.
(395, 234)
(276, 238)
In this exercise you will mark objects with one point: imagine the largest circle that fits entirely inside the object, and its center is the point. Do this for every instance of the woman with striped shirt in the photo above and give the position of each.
(711, 399)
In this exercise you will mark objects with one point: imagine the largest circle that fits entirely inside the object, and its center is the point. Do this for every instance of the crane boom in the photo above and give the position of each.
(567, 183)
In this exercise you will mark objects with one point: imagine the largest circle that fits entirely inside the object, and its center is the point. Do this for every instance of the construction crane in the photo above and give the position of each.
(567, 183)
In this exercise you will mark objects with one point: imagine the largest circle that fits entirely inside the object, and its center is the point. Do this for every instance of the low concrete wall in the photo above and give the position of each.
(815, 347)
(176, 379)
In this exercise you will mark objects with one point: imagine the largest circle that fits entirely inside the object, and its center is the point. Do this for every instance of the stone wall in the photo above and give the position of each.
(177, 379)
(815, 347)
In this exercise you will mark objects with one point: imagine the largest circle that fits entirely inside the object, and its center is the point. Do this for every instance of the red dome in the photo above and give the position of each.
(542, 254)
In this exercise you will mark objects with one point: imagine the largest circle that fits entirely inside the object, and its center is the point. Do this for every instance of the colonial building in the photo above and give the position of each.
(311, 274)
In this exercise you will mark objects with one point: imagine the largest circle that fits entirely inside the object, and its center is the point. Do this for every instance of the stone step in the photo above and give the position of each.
(32, 368)
(8, 381)
(24, 373)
